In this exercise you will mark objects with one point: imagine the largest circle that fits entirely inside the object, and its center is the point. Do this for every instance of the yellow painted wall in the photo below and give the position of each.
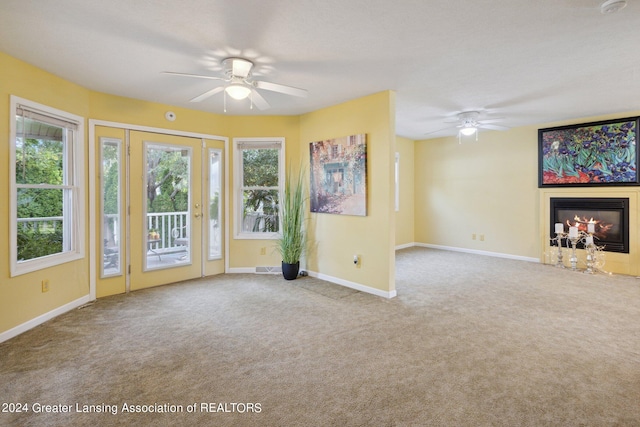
(21, 297)
(143, 113)
(405, 216)
(488, 188)
(336, 238)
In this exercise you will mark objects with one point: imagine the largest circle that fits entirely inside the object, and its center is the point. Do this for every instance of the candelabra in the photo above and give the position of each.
(591, 256)
(574, 239)
(594, 258)
(558, 241)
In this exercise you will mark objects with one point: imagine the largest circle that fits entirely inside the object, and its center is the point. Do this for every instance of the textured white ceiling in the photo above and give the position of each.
(528, 61)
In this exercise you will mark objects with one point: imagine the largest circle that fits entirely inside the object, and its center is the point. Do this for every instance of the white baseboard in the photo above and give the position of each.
(353, 285)
(337, 281)
(477, 252)
(261, 269)
(405, 246)
(4, 336)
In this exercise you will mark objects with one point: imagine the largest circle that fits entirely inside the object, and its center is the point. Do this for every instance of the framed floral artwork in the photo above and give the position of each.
(591, 154)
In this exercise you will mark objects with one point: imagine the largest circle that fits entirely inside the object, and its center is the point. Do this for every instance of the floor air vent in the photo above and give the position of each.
(269, 270)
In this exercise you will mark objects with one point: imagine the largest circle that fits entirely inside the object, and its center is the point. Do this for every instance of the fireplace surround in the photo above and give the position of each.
(610, 215)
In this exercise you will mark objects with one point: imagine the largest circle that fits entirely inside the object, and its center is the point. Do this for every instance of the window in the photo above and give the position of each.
(259, 174)
(46, 175)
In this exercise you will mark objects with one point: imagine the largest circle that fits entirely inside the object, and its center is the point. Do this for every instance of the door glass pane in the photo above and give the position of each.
(111, 220)
(168, 226)
(215, 186)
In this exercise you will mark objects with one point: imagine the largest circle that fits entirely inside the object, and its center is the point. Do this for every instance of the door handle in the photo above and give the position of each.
(198, 215)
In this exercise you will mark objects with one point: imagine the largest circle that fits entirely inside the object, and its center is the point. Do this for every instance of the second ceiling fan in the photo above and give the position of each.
(240, 85)
(468, 123)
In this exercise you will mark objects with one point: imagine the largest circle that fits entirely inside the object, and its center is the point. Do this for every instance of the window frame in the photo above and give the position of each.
(74, 171)
(239, 144)
(117, 142)
(219, 177)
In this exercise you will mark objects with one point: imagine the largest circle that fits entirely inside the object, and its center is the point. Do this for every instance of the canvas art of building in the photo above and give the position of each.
(339, 175)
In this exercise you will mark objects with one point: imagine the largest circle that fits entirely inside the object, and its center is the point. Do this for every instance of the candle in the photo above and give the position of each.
(589, 240)
(573, 231)
(591, 228)
(559, 228)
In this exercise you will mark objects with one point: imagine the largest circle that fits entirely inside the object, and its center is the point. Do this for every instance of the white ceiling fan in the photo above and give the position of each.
(468, 123)
(238, 83)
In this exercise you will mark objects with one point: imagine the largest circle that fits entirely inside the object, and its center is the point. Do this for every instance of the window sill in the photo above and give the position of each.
(36, 264)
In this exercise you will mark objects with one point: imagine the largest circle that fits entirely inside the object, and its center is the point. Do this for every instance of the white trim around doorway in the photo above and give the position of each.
(93, 176)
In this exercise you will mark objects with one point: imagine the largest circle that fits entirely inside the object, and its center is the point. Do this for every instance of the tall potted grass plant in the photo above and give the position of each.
(291, 243)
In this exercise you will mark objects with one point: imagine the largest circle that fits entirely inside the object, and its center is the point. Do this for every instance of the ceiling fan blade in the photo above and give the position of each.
(497, 119)
(198, 76)
(207, 94)
(241, 67)
(440, 130)
(492, 127)
(258, 100)
(275, 87)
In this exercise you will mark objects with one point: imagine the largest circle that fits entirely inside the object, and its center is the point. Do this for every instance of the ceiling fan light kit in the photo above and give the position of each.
(468, 131)
(468, 124)
(237, 91)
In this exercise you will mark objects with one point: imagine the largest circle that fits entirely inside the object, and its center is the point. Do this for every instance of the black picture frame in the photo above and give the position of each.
(603, 153)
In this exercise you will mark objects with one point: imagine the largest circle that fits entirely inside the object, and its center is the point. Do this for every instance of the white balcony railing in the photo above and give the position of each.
(46, 224)
(172, 229)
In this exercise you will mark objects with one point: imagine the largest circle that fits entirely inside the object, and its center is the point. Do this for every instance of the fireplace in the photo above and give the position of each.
(610, 215)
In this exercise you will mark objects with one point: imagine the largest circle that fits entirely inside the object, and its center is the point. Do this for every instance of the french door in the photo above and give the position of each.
(162, 216)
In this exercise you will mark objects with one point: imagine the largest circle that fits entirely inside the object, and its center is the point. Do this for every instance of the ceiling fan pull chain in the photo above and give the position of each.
(224, 100)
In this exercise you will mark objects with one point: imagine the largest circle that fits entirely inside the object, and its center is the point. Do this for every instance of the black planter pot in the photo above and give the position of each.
(290, 271)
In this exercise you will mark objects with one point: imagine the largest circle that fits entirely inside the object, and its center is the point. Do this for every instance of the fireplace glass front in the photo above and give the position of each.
(610, 216)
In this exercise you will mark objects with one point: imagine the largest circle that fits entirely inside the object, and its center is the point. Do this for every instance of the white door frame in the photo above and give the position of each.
(92, 187)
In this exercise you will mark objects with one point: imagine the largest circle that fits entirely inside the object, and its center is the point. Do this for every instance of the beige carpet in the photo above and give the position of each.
(469, 341)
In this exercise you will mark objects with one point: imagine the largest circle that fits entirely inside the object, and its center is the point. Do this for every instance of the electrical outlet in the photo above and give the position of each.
(45, 285)
(357, 261)
(473, 236)
(482, 237)
(263, 251)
